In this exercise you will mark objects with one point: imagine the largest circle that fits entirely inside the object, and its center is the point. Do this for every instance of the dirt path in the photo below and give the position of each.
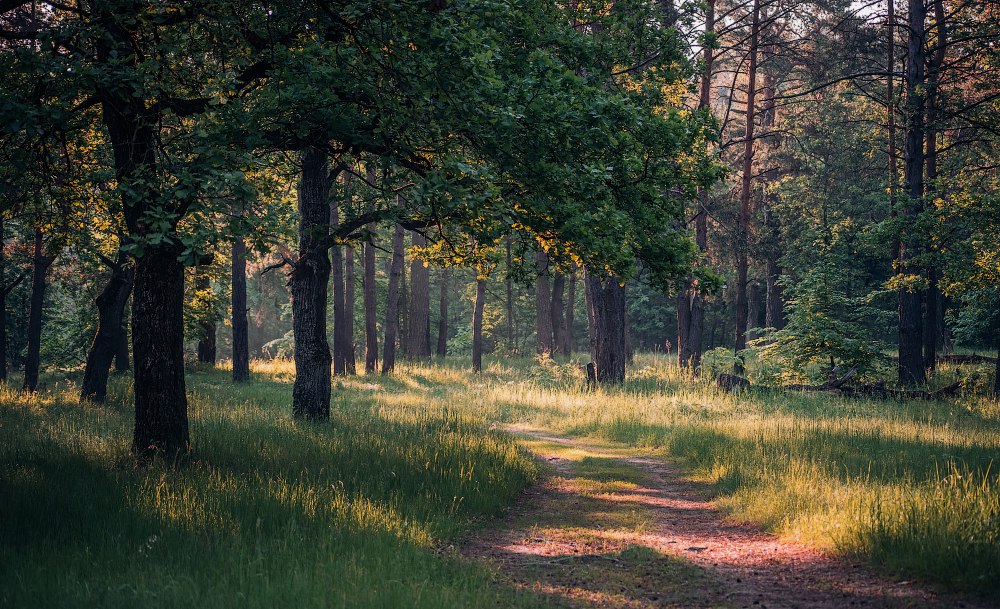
(605, 528)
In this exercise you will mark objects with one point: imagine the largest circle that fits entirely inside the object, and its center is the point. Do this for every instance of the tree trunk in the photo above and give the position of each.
(419, 338)
(241, 326)
(570, 309)
(369, 296)
(932, 304)
(557, 312)
(110, 313)
(477, 325)
(337, 275)
(690, 304)
(392, 302)
(309, 280)
(161, 421)
(911, 365)
(39, 266)
(442, 343)
(4, 290)
(509, 281)
(591, 317)
(206, 343)
(743, 222)
(608, 304)
(543, 305)
(753, 309)
(350, 352)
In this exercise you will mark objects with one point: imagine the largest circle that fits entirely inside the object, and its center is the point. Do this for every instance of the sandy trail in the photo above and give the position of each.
(583, 538)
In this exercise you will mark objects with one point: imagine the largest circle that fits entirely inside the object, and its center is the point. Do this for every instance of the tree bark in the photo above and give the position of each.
(509, 284)
(743, 223)
(392, 302)
(932, 303)
(477, 325)
(558, 311)
(690, 304)
(753, 309)
(241, 326)
(607, 298)
(350, 352)
(370, 304)
(570, 312)
(4, 290)
(442, 342)
(543, 305)
(39, 267)
(309, 280)
(110, 316)
(419, 338)
(911, 365)
(591, 317)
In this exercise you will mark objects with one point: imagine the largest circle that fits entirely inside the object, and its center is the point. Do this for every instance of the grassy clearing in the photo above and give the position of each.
(271, 512)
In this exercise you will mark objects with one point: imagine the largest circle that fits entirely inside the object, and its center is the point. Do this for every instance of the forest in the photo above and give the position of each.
(456, 303)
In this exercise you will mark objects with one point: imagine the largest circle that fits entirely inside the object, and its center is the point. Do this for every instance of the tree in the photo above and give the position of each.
(392, 303)
(369, 296)
(110, 327)
(241, 330)
(418, 340)
(442, 342)
(543, 305)
(607, 309)
(477, 325)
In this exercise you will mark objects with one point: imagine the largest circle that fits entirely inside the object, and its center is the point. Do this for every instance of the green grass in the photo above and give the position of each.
(355, 513)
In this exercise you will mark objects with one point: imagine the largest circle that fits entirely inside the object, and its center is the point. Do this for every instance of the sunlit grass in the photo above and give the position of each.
(270, 512)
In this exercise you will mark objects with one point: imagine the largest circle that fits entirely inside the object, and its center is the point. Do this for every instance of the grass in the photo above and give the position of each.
(356, 512)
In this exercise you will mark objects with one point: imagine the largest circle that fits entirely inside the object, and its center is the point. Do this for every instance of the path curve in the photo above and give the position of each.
(556, 543)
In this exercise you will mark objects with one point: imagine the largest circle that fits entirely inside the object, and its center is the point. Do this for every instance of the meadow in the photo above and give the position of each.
(364, 510)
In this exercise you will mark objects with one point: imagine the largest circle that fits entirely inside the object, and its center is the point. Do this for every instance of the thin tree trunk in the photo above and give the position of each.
(911, 365)
(753, 309)
(419, 338)
(591, 317)
(608, 306)
(309, 280)
(370, 303)
(774, 314)
(442, 342)
(570, 312)
(350, 350)
(110, 312)
(337, 273)
(509, 281)
(392, 302)
(543, 305)
(932, 305)
(39, 267)
(743, 223)
(241, 326)
(557, 312)
(477, 325)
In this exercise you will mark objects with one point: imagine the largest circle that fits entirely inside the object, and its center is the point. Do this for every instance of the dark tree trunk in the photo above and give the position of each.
(392, 302)
(932, 304)
(337, 274)
(911, 365)
(4, 290)
(753, 309)
(690, 304)
(477, 325)
(350, 358)
(161, 421)
(543, 305)
(309, 280)
(509, 281)
(591, 317)
(418, 340)
(110, 317)
(607, 298)
(743, 222)
(39, 267)
(241, 326)
(570, 310)
(442, 343)
(369, 296)
(122, 364)
(558, 311)
(206, 344)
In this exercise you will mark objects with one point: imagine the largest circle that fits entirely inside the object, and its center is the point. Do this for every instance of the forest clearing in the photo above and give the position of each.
(386, 506)
(510, 303)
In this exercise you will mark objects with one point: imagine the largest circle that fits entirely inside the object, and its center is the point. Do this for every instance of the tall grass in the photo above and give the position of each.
(354, 513)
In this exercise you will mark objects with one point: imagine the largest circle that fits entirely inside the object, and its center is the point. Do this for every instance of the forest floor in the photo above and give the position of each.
(609, 526)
